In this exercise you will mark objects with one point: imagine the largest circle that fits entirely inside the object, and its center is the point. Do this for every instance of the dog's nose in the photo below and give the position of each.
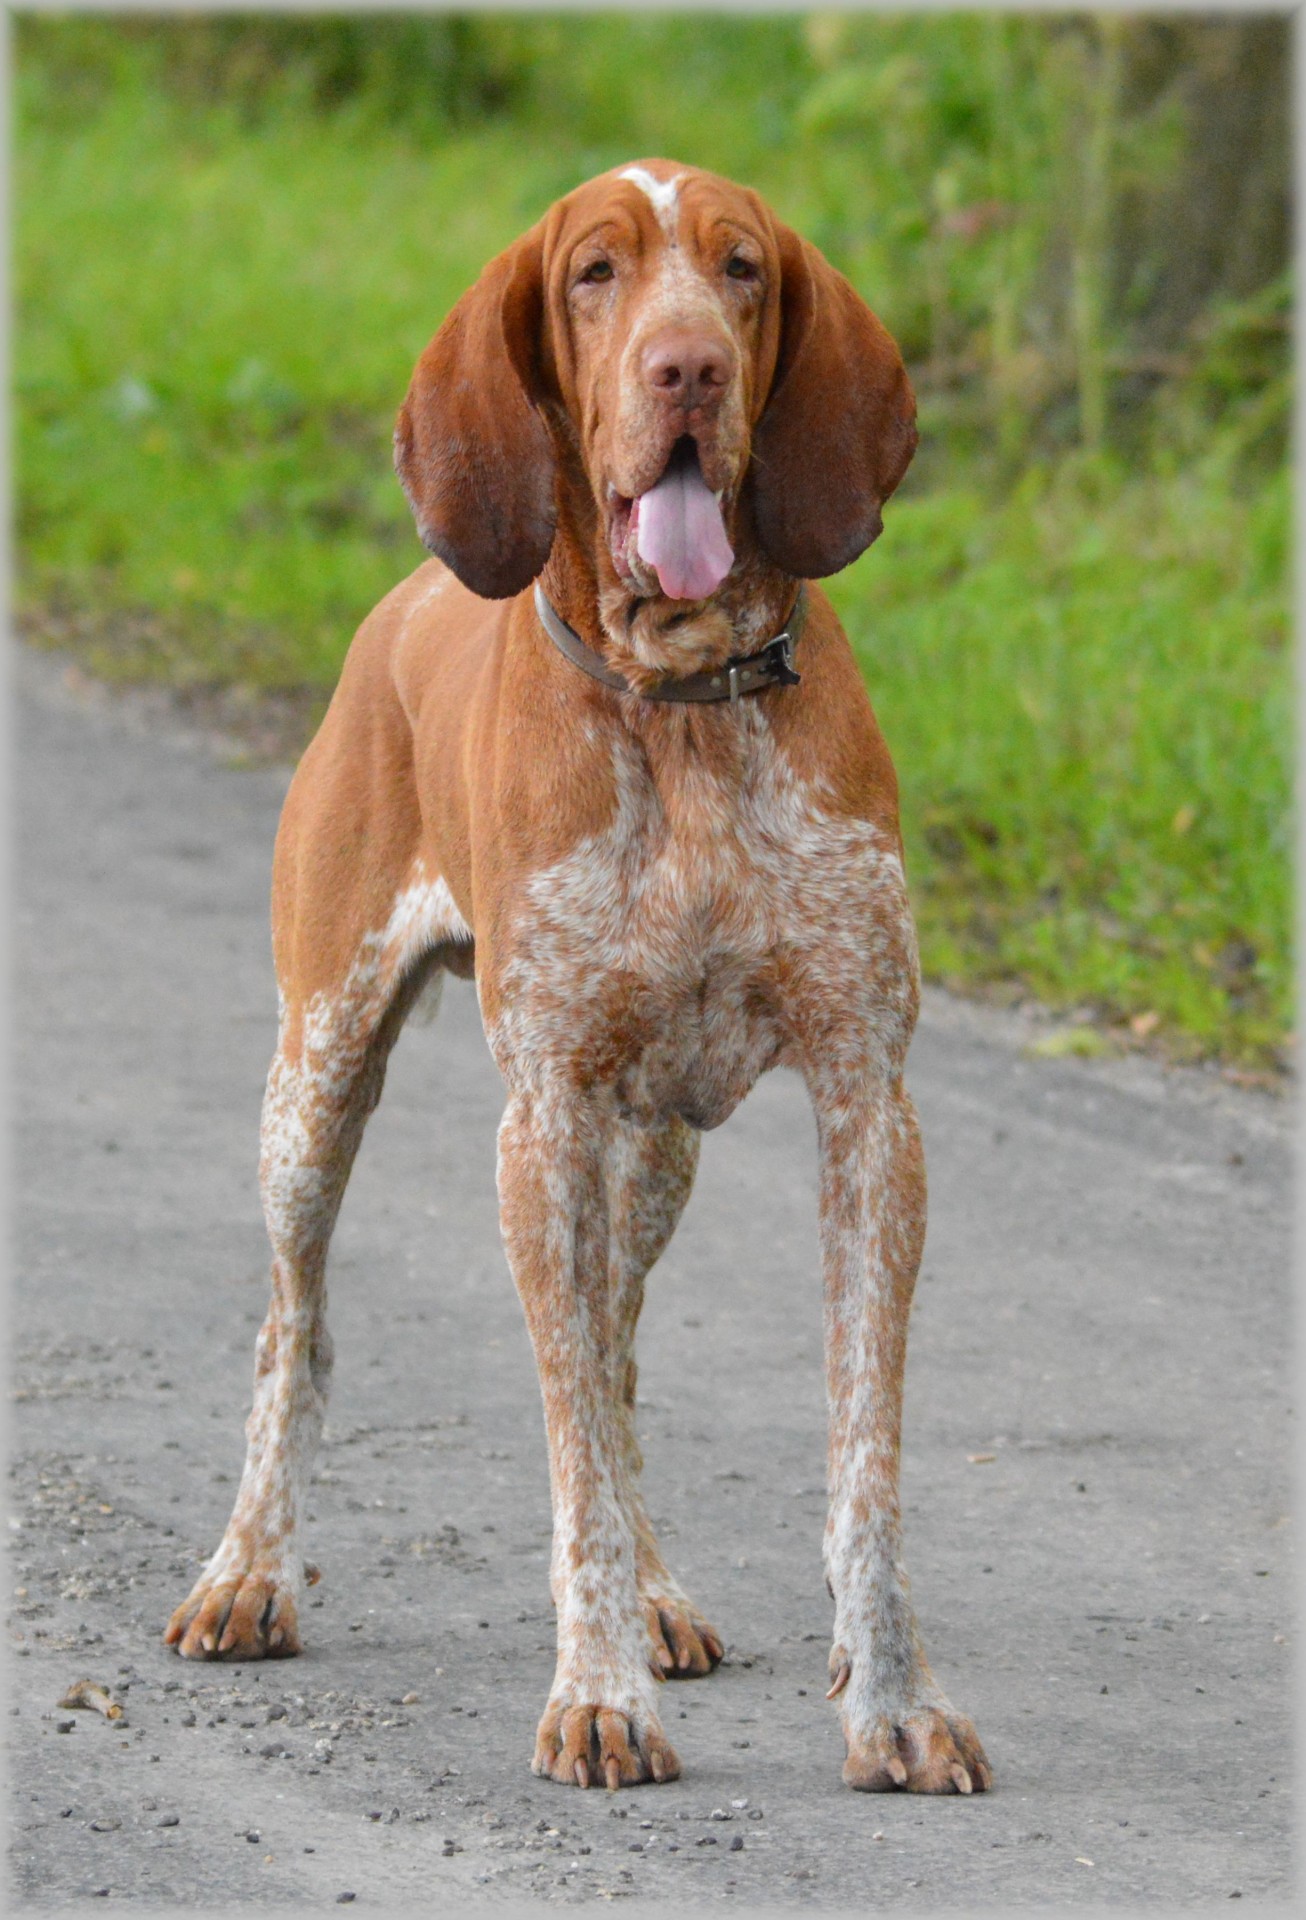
(687, 367)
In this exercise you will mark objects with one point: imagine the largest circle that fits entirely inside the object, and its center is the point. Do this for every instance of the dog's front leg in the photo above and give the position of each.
(601, 1722)
(900, 1729)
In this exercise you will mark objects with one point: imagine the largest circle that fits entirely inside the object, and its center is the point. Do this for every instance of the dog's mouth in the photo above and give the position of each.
(673, 533)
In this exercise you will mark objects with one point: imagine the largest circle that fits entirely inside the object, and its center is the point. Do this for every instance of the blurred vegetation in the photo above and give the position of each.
(233, 235)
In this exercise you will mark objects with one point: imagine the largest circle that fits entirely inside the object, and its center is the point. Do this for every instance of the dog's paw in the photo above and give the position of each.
(917, 1745)
(682, 1645)
(236, 1612)
(924, 1751)
(601, 1746)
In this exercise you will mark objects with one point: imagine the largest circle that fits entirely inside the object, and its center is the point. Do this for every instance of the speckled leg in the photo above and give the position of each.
(899, 1728)
(326, 1078)
(601, 1721)
(650, 1173)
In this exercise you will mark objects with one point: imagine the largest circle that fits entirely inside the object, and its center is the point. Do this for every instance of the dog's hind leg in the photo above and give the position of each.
(325, 1080)
(650, 1171)
(601, 1722)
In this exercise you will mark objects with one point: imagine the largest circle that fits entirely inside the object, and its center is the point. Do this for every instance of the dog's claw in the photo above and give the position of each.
(245, 1615)
(682, 1646)
(588, 1745)
(920, 1749)
(841, 1680)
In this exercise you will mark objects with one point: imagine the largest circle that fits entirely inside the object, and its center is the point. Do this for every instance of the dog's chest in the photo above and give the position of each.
(670, 956)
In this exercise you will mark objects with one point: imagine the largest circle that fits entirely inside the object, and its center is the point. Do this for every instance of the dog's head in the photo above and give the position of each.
(666, 368)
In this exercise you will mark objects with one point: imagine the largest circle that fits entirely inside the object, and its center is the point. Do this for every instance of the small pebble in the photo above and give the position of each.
(168, 1820)
(253, 1837)
(737, 1844)
(64, 1726)
(342, 1899)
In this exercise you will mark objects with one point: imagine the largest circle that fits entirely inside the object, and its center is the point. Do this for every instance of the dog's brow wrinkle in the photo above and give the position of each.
(662, 193)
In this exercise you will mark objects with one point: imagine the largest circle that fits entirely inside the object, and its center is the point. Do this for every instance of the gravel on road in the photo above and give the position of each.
(1096, 1470)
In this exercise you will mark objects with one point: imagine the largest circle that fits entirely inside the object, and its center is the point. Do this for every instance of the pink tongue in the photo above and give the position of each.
(679, 532)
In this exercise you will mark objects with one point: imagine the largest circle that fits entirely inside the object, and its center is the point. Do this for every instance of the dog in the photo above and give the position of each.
(609, 753)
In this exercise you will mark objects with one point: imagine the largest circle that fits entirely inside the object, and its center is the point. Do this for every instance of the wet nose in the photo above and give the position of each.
(688, 368)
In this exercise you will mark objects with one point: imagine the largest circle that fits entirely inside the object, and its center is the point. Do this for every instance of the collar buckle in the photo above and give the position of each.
(778, 660)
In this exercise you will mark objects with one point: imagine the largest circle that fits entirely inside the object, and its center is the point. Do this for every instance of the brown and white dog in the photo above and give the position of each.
(668, 409)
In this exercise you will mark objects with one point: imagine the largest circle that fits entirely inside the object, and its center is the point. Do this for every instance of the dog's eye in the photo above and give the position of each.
(596, 272)
(739, 268)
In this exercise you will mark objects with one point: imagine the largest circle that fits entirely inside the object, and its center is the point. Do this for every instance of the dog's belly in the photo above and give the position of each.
(697, 1049)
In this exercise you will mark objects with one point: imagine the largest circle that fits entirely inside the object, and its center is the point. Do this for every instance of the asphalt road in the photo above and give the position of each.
(1096, 1471)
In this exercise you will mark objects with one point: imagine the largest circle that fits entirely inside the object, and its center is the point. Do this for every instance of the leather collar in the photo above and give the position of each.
(771, 666)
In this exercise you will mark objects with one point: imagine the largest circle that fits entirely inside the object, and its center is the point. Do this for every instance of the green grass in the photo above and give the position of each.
(215, 328)
(1087, 691)
(1084, 678)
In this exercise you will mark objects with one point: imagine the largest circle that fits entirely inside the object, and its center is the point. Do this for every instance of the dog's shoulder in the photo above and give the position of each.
(831, 737)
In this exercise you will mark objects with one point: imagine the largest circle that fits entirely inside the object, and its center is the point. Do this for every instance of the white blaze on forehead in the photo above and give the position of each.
(662, 193)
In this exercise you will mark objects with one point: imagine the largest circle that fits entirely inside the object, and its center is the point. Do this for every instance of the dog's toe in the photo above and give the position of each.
(922, 1751)
(593, 1745)
(248, 1615)
(682, 1645)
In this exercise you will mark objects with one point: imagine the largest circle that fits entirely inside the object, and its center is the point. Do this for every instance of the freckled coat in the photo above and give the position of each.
(658, 902)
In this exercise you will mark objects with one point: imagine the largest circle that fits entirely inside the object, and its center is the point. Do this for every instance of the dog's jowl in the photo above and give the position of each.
(610, 752)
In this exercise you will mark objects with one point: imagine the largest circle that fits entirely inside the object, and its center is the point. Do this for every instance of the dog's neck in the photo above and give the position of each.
(648, 639)
(651, 640)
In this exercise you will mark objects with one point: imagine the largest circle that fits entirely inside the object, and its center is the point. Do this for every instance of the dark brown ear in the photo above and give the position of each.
(471, 450)
(839, 429)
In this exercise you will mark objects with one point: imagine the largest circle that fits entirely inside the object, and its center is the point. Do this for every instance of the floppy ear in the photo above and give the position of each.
(472, 452)
(839, 429)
